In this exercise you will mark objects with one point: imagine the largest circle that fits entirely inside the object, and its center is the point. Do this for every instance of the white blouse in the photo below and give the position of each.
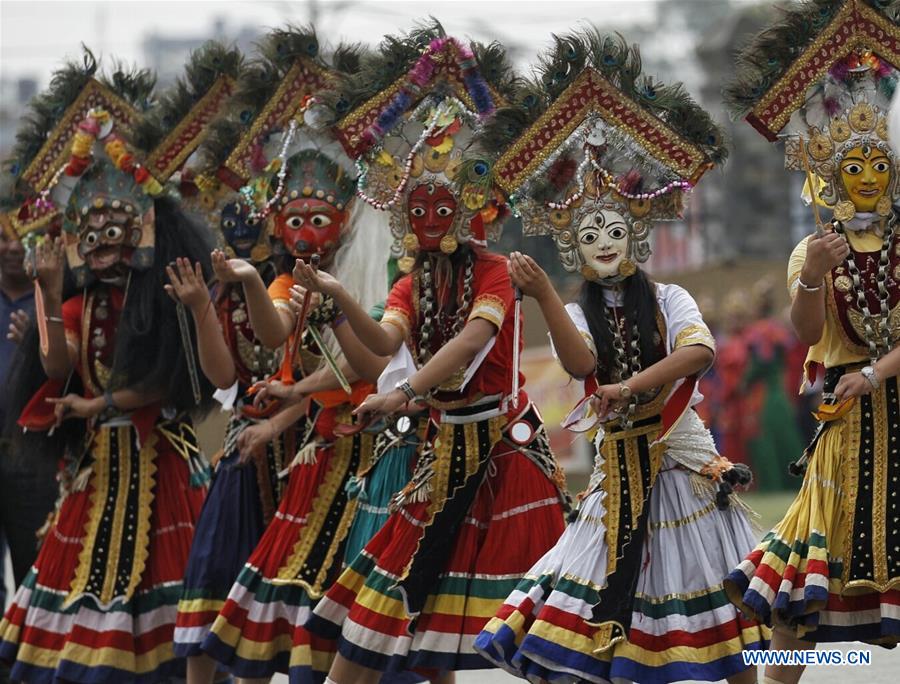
(684, 324)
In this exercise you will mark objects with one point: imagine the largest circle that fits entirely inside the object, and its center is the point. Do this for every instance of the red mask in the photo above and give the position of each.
(309, 226)
(432, 209)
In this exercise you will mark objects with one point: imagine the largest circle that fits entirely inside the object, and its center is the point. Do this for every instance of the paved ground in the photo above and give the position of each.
(884, 662)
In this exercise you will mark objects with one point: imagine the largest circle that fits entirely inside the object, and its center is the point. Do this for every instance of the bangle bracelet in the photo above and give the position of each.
(807, 288)
(340, 320)
(407, 389)
(53, 319)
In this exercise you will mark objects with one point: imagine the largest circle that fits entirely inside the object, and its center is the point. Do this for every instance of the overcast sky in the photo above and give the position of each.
(37, 35)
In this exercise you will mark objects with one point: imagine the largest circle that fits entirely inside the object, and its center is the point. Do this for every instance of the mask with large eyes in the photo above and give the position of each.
(309, 226)
(603, 241)
(240, 232)
(107, 238)
(432, 210)
(866, 174)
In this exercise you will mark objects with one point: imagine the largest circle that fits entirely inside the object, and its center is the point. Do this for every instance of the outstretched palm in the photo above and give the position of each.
(314, 280)
(231, 270)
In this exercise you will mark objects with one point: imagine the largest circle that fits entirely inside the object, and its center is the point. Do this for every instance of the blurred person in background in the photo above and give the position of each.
(27, 483)
(731, 364)
(768, 416)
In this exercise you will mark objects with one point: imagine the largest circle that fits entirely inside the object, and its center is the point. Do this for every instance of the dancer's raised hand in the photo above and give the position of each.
(49, 262)
(186, 284)
(528, 276)
(313, 279)
(231, 270)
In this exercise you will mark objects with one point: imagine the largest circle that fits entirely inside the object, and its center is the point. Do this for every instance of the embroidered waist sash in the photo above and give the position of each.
(629, 464)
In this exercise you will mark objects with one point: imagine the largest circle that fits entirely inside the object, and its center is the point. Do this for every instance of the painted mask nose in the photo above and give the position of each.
(302, 246)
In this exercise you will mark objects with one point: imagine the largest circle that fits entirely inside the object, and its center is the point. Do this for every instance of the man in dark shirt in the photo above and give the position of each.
(16, 297)
(27, 481)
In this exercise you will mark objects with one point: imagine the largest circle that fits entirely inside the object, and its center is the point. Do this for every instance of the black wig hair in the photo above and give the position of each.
(149, 354)
(640, 308)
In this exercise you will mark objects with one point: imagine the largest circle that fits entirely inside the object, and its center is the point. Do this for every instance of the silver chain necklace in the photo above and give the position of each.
(623, 362)
(427, 305)
(877, 328)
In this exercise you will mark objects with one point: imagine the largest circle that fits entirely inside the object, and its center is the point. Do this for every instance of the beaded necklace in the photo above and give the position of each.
(626, 367)
(450, 326)
(878, 335)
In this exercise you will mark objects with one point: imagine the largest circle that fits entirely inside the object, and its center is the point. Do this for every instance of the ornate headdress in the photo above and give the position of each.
(595, 134)
(43, 145)
(410, 118)
(170, 134)
(87, 163)
(822, 78)
(264, 149)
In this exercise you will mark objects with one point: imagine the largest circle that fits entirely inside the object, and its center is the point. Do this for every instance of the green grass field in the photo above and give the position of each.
(770, 506)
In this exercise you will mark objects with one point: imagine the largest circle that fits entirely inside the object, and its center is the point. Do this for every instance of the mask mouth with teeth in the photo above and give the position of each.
(108, 225)
(107, 240)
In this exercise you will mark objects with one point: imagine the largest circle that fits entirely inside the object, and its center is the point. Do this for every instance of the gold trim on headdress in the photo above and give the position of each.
(54, 154)
(174, 150)
(303, 79)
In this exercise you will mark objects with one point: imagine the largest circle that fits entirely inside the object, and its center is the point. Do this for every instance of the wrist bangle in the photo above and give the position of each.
(339, 320)
(807, 288)
(407, 389)
(108, 400)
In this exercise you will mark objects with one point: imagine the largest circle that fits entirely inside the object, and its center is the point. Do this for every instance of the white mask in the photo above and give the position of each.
(603, 239)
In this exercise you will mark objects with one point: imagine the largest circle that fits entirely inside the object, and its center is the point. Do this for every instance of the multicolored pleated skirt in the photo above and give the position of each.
(240, 503)
(99, 604)
(298, 556)
(678, 624)
(480, 508)
(396, 449)
(830, 570)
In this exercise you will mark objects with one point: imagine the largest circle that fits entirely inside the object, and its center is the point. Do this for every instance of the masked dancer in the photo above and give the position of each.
(830, 570)
(420, 590)
(297, 179)
(633, 589)
(99, 603)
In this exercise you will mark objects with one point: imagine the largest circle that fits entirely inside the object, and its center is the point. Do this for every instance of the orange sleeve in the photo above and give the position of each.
(493, 293)
(71, 315)
(398, 310)
(280, 290)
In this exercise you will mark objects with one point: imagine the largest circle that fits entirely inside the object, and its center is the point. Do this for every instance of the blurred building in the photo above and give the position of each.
(15, 94)
(166, 55)
(752, 206)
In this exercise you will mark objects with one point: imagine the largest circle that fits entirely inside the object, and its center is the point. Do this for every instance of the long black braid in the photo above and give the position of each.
(640, 308)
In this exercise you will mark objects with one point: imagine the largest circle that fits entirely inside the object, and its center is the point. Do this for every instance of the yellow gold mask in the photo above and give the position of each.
(866, 174)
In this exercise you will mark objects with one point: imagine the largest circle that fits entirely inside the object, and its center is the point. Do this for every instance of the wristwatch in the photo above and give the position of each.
(868, 372)
(624, 391)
